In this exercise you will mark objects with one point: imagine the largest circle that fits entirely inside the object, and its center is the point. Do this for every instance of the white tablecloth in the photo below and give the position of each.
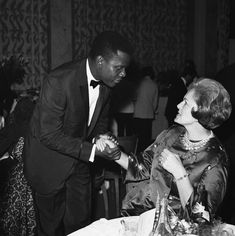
(143, 224)
(104, 227)
(114, 227)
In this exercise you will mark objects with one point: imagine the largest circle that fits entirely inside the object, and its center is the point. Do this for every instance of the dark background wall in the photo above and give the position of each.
(232, 19)
(164, 33)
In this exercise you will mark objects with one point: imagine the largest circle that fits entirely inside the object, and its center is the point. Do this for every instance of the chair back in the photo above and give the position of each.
(128, 144)
(113, 172)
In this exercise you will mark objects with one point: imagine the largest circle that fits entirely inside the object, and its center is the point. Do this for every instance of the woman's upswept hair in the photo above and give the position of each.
(213, 101)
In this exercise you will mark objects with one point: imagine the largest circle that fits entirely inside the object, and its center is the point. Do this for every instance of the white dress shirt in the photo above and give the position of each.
(93, 94)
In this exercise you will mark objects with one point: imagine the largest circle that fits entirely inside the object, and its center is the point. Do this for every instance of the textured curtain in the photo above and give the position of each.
(24, 30)
(156, 28)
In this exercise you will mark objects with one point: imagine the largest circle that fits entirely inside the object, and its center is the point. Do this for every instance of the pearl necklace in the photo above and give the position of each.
(189, 145)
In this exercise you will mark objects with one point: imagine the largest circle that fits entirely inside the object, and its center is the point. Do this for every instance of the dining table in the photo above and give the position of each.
(136, 226)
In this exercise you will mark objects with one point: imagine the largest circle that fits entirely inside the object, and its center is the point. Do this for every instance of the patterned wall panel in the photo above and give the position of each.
(223, 33)
(161, 32)
(156, 28)
(93, 16)
(24, 30)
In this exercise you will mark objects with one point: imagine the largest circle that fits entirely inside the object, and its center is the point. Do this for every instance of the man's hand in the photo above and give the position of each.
(107, 149)
(106, 136)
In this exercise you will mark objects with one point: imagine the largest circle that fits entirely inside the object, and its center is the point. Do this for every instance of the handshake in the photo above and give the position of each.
(107, 147)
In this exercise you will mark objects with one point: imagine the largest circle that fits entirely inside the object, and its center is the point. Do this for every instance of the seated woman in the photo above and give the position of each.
(186, 162)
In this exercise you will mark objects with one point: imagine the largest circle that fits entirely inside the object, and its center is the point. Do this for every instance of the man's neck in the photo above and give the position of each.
(92, 68)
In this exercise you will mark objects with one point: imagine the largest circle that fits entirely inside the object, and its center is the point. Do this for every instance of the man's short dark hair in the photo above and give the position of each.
(108, 43)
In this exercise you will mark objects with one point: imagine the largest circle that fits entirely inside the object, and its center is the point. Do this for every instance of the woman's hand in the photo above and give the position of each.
(100, 144)
(172, 163)
(104, 140)
(107, 148)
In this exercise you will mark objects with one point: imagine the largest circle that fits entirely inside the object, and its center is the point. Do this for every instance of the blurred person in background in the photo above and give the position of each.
(145, 106)
(123, 98)
(178, 88)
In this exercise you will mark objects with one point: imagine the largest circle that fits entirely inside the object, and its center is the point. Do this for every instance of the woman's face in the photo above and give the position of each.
(184, 116)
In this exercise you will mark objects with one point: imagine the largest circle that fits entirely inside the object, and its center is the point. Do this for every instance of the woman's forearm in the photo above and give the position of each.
(123, 161)
(185, 189)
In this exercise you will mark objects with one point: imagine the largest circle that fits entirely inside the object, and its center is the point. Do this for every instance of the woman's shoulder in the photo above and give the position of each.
(174, 130)
(216, 152)
(171, 133)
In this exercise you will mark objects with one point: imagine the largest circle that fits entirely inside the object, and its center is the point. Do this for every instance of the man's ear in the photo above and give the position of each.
(99, 60)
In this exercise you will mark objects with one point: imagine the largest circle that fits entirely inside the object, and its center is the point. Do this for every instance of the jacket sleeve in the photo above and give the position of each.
(139, 166)
(52, 108)
(210, 192)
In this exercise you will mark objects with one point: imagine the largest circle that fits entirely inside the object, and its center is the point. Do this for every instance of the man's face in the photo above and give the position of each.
(113, 69)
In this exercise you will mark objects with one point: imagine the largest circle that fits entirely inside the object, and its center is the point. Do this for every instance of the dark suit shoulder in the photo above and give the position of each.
(69, 72)
(68, 65)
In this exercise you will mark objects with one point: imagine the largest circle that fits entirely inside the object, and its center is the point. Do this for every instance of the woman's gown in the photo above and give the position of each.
(207, 168)
(17, 215)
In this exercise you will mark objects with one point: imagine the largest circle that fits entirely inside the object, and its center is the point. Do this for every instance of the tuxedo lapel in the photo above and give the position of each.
(81, 89)
(84, 95)
(100, 102)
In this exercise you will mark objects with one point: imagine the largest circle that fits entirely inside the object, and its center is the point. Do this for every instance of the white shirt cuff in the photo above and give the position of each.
(92, 156)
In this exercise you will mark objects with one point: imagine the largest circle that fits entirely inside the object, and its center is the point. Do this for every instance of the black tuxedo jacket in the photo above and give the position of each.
(59, 135)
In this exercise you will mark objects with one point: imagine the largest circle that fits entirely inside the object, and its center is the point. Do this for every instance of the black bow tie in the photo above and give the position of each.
(94, 83)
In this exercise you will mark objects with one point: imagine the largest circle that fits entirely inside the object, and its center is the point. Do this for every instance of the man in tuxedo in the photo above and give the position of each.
(72, 110)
